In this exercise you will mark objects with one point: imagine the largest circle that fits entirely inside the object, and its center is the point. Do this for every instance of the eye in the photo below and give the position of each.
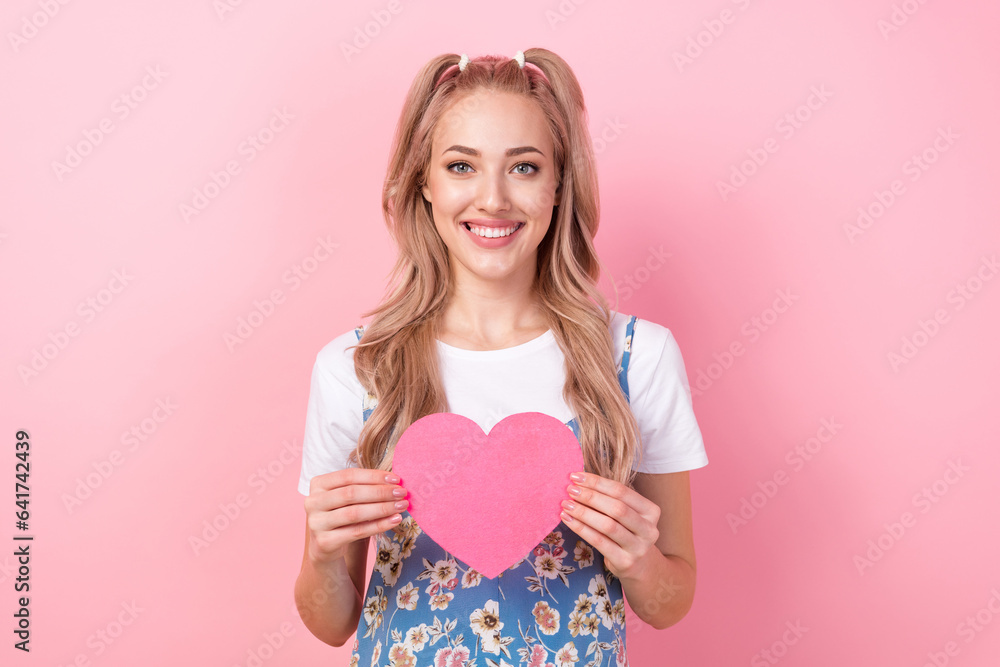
(451, 167)
(526, 164)
(455, 164)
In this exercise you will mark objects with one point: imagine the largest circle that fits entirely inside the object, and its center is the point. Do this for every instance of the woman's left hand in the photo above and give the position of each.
(617, 520)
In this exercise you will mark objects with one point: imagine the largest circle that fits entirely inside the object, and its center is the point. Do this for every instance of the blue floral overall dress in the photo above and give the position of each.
(557, 607)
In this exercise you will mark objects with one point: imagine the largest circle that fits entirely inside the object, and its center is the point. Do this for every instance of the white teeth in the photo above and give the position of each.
(491, 233)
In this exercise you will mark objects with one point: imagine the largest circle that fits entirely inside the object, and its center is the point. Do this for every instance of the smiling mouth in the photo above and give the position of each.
(492, 232)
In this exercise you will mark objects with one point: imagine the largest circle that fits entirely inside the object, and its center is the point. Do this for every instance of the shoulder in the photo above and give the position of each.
(656, 370)
(335, 360)
(660, 398)
(648, 340)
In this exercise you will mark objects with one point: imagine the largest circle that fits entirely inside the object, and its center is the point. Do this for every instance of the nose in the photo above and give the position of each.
(492, 195)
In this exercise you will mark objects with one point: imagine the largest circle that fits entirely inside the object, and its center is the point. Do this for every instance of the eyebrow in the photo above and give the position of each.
(509, 153)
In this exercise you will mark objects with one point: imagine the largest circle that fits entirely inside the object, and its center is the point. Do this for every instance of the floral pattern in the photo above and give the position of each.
(559, 606)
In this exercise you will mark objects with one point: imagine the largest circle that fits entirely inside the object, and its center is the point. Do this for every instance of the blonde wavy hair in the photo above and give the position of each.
(396, 358)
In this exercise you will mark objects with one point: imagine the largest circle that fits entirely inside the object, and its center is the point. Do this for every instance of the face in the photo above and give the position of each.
(491, 171)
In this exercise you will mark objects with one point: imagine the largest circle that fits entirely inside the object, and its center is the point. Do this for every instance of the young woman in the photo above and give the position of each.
(491, 196)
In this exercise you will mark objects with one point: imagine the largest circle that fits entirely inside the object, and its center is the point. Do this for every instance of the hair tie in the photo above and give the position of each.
(464, 61)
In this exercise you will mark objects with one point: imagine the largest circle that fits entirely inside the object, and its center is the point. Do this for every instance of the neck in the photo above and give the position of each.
(493, 312)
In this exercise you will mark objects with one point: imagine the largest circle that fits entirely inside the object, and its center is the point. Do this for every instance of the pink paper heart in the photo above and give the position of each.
(487, 499)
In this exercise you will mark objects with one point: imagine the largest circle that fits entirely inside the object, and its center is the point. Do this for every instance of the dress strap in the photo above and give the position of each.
(369, 402)
(626, 353)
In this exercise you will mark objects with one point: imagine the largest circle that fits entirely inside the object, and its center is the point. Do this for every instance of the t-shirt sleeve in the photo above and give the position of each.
(333, 413)
(660, 398)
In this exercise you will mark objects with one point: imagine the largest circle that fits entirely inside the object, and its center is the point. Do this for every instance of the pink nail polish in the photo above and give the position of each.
(576, 477)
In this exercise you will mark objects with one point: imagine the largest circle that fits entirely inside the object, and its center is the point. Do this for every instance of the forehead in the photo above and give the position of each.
(491, 122)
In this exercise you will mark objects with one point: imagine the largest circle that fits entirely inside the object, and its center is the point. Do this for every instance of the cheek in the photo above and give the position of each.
(448, 198)
(539, 201)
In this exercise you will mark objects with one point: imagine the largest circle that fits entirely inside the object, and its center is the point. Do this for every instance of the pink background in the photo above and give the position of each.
(666, 133)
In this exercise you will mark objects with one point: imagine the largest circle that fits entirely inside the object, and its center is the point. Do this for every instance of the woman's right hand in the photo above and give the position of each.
(347, 505)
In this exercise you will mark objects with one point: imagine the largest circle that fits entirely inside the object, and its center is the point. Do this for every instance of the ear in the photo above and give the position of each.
(558, 197)
(426, 191)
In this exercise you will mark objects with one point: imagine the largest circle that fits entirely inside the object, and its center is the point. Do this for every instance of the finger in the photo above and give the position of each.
(609, 487)
(349, 476)
(607, 526)
(354, 514)
(607, 505)
(609, 548)
(355, 494)
(330, 541)
(610, 503)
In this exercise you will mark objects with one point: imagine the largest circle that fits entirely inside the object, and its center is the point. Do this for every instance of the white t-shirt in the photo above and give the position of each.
(488, 385)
